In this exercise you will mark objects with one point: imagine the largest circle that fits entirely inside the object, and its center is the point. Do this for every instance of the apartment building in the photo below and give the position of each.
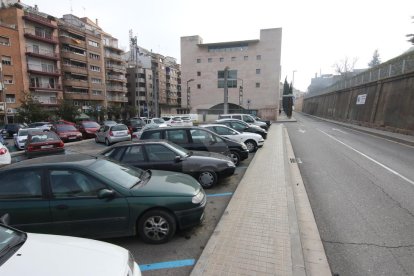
(30, 58)
(253, 74)
(140, 90)
(83, 61)
(115, 70)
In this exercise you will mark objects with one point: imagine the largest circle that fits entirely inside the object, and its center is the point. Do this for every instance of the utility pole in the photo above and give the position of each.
(226, 91)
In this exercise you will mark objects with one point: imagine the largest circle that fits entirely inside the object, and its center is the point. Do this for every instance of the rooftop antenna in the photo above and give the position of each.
(84, 11)
(71, 9)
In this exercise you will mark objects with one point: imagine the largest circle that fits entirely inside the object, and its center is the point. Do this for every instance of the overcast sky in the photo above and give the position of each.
(315, 34)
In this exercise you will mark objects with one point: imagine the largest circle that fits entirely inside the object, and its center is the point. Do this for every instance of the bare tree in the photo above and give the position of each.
(345, 65)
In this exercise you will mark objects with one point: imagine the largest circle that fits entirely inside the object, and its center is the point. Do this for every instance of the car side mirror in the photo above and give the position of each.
(5, 219)
(106, 193)
(177, 159)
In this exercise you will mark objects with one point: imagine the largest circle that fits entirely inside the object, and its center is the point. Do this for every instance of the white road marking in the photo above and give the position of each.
(339, 130)
(298, 160)
(371, 159)
(301, 130)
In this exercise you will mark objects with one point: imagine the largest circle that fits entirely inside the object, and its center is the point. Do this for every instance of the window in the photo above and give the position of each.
(257, 84)
(21, 185)
(221, 59)
(8, 79)
(257, 71)
(69, 183)
(177, 136)
(6, 60)
(94, 56)
(231, 79)
(5, 41)
(95, 68)
(10, 98)
(96, 80)
(198, 73)
(198, 60)
(233, 58)
(159, 153)
(198, 86)
(258, 57)
(96, 92)
(93, 43)
(202, 136)
(210, 60)
(133, 154)
(246, 57)
(224, 131)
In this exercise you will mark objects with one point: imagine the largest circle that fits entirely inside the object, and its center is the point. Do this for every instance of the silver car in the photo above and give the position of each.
(113, 134)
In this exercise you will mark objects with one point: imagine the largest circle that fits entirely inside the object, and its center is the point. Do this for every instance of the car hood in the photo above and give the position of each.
(62, 255)
(210, 154)
(165, 183)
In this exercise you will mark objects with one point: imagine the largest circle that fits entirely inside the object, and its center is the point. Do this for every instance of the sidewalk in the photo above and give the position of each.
(268, 228)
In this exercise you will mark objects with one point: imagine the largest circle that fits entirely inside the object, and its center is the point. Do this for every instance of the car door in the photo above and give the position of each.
(77, 210)
(179, 137)
(22, 197)
(161, 157)
(134, 156)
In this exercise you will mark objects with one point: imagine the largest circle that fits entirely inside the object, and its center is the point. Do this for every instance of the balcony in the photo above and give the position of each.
(72, 41)
(39, 35)
(76, 83)
(114, 57)
(41, 53)
(43, 70)
(72, 55)
(122, 99)
(116, 88)
(141, 80)
(142, 89)
(45, 87)
(117, 68)
(74, 69)
(113, 46)
(39, 19)
(116, 78)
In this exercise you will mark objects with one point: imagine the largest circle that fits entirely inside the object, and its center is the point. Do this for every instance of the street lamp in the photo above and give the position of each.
(226, 92)
(241, 87)
(189, 95)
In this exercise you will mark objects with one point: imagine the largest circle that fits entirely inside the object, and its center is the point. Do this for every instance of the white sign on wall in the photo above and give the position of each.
(361, 99)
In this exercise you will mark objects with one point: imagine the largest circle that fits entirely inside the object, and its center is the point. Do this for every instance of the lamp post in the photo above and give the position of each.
(189, 95)
(3, 92)
(241, 87)
(226, 92)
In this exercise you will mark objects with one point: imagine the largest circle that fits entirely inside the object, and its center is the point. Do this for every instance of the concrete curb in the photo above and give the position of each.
(314, 255)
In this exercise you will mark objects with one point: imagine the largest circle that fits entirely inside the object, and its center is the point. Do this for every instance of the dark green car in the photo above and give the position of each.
(86, 196)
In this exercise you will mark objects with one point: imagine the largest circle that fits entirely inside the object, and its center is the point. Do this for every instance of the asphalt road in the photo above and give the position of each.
(178, 256)
(361, 190)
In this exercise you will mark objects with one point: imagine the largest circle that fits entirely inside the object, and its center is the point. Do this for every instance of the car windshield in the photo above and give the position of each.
(180, 150)
(90, 124)
(65, 128)
(23, 132)
(158, 120)
(123, 175)
(8, 238)
(119, 127)
(44, 136)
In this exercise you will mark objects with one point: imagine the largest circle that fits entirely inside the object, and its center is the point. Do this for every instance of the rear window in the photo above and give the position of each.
(119, 128)
(42, 137)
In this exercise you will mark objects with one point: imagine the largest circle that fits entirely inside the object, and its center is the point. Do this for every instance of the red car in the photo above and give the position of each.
(67, 132)
(43, 143)
(88, 129)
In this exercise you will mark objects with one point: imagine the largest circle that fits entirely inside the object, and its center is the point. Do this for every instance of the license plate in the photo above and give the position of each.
(46, 147)
(120, 133)
(72, 138)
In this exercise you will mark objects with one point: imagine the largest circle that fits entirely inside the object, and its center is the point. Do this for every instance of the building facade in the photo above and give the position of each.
(253, 76)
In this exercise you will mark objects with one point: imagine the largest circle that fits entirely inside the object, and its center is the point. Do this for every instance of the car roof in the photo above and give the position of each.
(140, 142)
(53, 160)
(230, 120)
(209, 125)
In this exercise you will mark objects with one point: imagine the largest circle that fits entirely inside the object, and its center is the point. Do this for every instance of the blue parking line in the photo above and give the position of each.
(165, 265)
(223, 194)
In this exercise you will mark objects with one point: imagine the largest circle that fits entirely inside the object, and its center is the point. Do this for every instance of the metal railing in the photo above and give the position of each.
(43, 68)
(41, 34)
(400, 65)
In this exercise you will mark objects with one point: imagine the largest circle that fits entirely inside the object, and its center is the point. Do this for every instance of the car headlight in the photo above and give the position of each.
(198, 198)
(230, 164)
(244, 146)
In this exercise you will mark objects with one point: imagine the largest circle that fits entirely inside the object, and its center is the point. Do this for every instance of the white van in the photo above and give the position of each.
(246, 118)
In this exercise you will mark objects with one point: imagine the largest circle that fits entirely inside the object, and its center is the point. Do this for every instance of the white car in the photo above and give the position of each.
(21, 136)
(5, 158)
(157, 121)
(186, 120)
(46, 255)
(253, 141)
(41, 125)
(173, 121)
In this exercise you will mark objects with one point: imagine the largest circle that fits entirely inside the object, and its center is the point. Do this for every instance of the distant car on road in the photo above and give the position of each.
(113, 134)
(252, 141)
(67, 133)
(206, 167)
(48, 255)
(89, 196)
(43, 143)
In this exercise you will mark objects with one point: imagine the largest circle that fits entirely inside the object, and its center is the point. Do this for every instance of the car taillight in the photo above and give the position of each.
(30, 148)
(3, 151)
(111, 133)
(61, 144)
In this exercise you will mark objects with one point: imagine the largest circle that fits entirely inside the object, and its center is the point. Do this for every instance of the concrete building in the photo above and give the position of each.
(253, 74)
(30, 58)
(83, 67)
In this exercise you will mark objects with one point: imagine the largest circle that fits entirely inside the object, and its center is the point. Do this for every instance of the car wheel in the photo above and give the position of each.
(156, 226)
(207, 178)
(251, 145)
(107, 142)
(235, 157)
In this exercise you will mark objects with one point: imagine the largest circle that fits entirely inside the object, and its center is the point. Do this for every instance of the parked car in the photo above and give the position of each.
(199, 139)
(137, 135)
(21, 136)
(5, 158)
(186, 121)
(89, 196)
(173, 120)
(88, 129)
(253, 141)
(135, 124)
(113, 134)
(268, 122)
(48, 255)
(206, 167)
(158, 121)
(67, 132)
(43, 143)
(41, 125)
(10, 129)
(246, 118)
(242, 126)
(108, 123)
